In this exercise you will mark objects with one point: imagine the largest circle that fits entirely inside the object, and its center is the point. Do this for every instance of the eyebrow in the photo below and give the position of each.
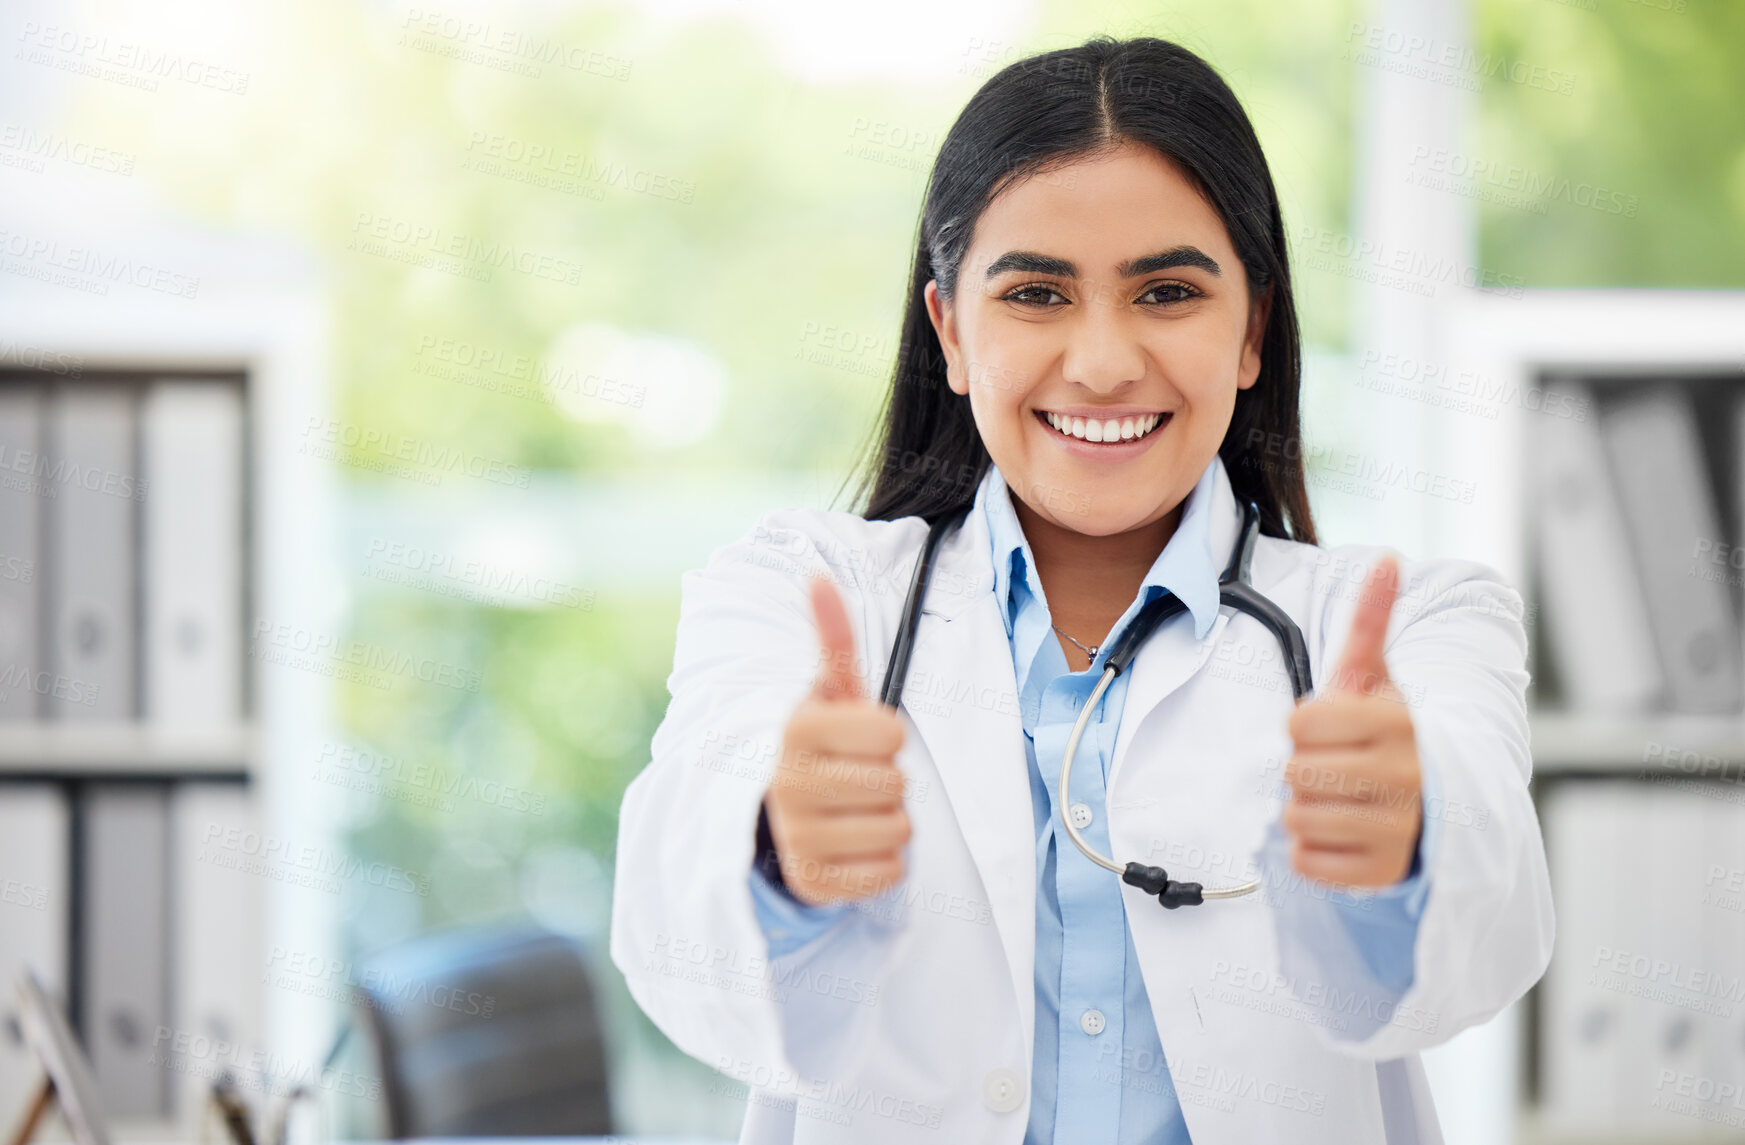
(1033, 263)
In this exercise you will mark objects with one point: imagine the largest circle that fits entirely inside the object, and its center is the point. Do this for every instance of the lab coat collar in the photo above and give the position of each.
(1184, 566)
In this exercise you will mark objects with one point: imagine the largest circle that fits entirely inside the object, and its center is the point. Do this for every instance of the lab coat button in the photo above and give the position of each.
(1091, 1022)
(1002, 1090)
(1081, 815)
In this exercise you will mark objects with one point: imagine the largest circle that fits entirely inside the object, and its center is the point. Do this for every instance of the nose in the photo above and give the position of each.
(1103, 351)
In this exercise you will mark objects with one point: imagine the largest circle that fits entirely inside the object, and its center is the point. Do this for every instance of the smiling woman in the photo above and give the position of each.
(1108, 217)
(1095, 398)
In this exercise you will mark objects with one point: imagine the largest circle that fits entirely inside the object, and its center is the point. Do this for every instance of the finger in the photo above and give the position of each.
(848, 838)
(831, 785)
(859, 879)
(1340, 826)
(838, 678)
(859, 727)
(1330, 774)
(1356, 869)
(1349, 718)
(1348, 775)
(1361, 667)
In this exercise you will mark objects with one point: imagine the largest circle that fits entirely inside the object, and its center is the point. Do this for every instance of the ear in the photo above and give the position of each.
(1259, 309)
(944, 322)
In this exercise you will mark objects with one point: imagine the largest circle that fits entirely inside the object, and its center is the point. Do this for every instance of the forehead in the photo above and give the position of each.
(1100, 211)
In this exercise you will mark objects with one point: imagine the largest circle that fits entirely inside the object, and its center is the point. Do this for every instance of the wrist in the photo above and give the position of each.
(765, 860)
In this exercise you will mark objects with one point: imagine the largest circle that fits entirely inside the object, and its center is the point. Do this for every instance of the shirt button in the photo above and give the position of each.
(1081, 815)
(1091, 1022)
(1002, 1090)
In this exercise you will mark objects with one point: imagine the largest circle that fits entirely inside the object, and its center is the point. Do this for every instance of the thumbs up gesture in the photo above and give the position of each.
(1356, 807)
(835, 804)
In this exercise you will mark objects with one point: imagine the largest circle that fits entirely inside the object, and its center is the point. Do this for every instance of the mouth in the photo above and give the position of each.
(1112, 432)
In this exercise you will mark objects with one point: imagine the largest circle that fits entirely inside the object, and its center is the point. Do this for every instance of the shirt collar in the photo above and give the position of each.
(1184, 567)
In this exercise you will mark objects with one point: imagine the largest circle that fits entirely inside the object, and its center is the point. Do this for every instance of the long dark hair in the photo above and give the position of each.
(1033, 116)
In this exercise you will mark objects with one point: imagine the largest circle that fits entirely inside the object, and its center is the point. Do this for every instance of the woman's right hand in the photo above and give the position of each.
(835, 805)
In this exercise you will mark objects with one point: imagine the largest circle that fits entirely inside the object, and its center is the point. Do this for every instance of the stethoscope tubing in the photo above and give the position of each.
(1236, 591)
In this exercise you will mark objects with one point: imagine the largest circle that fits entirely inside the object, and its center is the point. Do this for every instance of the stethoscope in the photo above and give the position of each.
(1235, 590)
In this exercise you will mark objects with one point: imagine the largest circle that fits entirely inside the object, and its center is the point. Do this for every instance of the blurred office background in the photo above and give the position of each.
(370, 372)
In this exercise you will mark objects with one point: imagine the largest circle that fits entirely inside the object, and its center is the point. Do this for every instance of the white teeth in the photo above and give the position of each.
(1122, 429)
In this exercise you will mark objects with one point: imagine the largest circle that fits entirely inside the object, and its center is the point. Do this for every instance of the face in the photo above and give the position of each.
(1101, 327)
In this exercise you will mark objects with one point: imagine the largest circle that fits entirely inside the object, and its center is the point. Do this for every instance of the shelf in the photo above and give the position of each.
(1699, 747)
(124, 748)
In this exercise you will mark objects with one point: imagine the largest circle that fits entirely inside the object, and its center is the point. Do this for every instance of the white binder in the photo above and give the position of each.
(1723, 890)
(125, 945)
(20, 561)
(191, 457)
(1666, 1026)
(217, 929)
(90, 462)
(1583, 1055)
(33, 919)
(1657, 463)
(1586, 568)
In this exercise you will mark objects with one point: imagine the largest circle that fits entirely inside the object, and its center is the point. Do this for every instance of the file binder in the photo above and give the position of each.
(1587, 570)
(20, 561)
(33, 918)
(1723, 893)
(124, 950)
(217, 928)
(1583, 1051)
(1668, 1021)
(1657, 461)
(191, 446)
(90, 464)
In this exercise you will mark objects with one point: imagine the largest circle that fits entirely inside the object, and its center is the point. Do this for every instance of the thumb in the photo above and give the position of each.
(837, 677)
(1361, 667)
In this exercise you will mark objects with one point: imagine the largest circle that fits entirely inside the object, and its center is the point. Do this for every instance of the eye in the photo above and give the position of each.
(1173, 292)
(1030, 294)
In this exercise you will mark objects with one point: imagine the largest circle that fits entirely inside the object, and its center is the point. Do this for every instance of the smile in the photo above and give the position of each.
(1117, 430)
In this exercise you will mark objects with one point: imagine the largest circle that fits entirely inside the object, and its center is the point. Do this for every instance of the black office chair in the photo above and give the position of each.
(486, 1033)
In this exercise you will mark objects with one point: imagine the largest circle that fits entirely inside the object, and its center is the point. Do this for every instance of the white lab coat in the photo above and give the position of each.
(913, 1020)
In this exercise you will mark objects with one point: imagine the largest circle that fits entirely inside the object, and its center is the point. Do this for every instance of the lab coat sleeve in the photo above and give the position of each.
(1363, 943)
(685, 932)
(787, 922)
(1457, 652)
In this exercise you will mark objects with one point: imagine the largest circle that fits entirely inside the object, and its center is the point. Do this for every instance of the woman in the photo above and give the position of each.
(876, 918)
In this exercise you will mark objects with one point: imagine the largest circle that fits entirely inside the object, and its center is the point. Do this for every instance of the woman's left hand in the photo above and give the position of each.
(1356, 805)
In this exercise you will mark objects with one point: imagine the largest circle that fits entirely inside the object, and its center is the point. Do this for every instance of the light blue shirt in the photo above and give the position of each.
(1092, 1013)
